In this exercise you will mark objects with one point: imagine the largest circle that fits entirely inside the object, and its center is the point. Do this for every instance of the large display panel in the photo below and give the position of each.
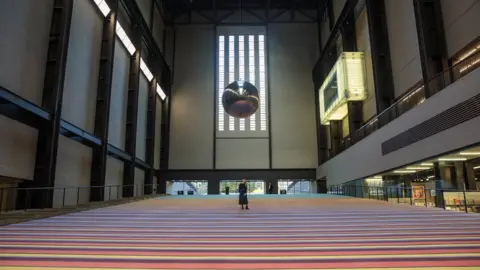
(345, 82)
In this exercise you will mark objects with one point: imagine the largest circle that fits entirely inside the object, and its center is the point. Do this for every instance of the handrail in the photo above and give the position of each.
(406, 195)
(357, 135)
(76, 195)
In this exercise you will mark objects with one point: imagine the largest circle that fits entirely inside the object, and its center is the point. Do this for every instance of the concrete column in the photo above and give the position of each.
(470, 183)
(335, 136)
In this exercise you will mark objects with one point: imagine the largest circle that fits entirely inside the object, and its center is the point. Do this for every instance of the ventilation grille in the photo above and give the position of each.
(456, 115)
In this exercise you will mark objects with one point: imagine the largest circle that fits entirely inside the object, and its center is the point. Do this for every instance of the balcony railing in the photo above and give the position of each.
(467, 201)
(413, 98)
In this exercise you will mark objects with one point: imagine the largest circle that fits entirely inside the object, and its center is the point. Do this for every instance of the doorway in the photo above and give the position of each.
(295, 186)
(187, 187)
(254, 187)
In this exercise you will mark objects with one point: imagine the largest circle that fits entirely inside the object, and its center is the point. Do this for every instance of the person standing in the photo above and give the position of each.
(243, 190)
(270, 188)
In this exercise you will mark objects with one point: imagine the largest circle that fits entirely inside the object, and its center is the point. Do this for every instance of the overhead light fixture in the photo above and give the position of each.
(122, 35)
(452, 159)
(426, 164)
(160, 92)
(102, 5)
(476, 168)
(470, 153)
(145, 70)
(417, 168)
(404, 171)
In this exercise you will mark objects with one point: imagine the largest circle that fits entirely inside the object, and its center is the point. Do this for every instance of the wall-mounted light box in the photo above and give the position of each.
(345, 82)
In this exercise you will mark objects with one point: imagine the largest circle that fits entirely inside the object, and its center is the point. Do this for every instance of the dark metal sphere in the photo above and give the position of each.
(240, 99)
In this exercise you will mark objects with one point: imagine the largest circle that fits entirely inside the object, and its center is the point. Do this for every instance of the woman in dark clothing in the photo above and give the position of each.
(242, 189)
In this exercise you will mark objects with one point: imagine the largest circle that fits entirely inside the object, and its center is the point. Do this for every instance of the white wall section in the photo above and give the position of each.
(293, 51)
(113, 179)
(119, 96)
(403, 40)
(73, 170)
(158, 133)
(242, 153)
(25, 28)
(139, 182)
(141, 140)
(363, 45)
(192, 112)
(83, 60)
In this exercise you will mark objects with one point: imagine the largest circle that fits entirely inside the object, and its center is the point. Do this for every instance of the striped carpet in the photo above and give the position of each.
(279, 232)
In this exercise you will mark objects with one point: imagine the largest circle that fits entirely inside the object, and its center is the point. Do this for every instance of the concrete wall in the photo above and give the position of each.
(25, 27)
(363, 45)
(191, 128)
(365, 157)
(141, 142)
(404, 50)
(83, 60)
(73, 170)
(293, 51)
(113, 179)
(119, 97)
(461, 20)
(139, 182)
(158, 133)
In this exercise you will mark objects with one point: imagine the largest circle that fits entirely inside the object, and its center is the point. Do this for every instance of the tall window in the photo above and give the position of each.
(242, 57)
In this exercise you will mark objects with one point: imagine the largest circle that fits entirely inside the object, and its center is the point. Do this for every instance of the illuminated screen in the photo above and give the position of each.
(330, 93)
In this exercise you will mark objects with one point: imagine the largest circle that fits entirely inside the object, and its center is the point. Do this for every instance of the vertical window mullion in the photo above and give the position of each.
(262, 82)
(221, 82)
(252, 74)
(231, 74)
(241, 71)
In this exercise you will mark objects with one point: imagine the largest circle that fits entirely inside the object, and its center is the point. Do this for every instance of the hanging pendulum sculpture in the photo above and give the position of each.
(240, 99)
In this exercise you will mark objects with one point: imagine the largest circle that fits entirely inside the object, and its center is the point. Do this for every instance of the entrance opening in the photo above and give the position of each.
(254, 187)
(295, 186)
(187, 187)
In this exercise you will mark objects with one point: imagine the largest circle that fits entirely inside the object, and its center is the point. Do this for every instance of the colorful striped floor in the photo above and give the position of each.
(279, 232)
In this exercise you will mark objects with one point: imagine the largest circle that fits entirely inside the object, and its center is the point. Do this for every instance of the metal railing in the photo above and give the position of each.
(448, 199)
(410, 100)
(15, 198)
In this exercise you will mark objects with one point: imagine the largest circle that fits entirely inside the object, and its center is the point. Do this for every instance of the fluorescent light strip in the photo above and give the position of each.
(417, 168)
(241, 71)
(160, 92)
(231, 73)
(145, 70)
(403, 171)
(221, 83)
(122, 35)
(452, 159)
(251, 77)
(263, 96)
(476, 168)
(470, 153)
(103, 7)
(426, 164)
